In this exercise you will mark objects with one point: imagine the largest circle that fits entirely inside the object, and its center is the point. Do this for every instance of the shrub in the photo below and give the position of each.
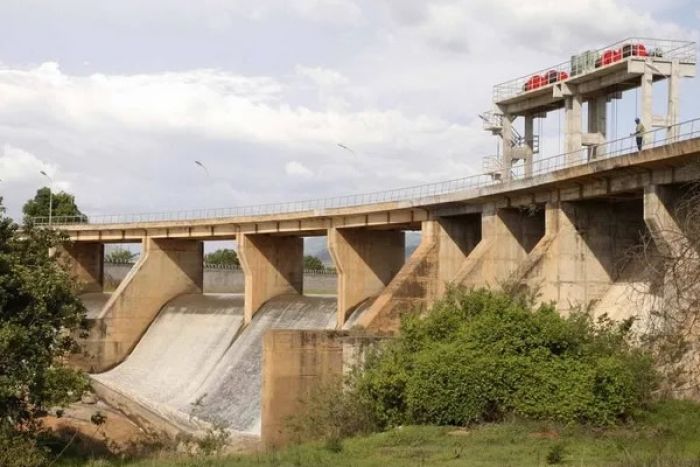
(482, 355)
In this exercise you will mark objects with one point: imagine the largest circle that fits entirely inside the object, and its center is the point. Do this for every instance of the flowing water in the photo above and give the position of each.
(198, 362)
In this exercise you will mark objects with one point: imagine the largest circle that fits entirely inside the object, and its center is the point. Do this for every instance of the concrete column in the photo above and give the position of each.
(590, 240)
(572, 135)
(445, 244)
(659, 217)
(167, 268)
(85, 262)
(597, 123)
(529, 144)
(508, 236)
(507, 146)
(366, 261)
(672, 117)
(647, 115)
(272, 266)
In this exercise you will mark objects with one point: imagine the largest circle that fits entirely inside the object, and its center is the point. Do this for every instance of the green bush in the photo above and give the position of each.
(482, 355)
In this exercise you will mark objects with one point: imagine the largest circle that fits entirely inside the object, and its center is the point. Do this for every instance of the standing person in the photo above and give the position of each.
(639, 132)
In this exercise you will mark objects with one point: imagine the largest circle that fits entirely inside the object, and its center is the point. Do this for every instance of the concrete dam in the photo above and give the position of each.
(163, 349)
(197, 365)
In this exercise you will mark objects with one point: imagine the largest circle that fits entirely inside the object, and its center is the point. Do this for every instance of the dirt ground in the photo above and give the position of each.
(115, 433)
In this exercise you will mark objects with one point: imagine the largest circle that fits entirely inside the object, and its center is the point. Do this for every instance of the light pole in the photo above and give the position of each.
(200, 164)
(50, 195)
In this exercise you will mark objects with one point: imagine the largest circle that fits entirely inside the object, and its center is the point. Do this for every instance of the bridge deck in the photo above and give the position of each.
(619, 174)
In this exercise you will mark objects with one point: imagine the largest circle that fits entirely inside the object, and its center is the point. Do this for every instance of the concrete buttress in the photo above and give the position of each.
(508, 236)
(272, 265)
(586, 245)
(85, 261)
(166, 269)
(445, 244)
(366, 261)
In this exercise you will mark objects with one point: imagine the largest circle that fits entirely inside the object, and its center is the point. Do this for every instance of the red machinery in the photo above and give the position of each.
(537, 81)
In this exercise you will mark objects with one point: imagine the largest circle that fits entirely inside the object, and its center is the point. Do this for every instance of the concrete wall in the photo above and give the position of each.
(226, 280)
(366, 261)
(166, 269)
(295, 364)
(85, 262)
(508, 236)
(272, 266)
(586, 245)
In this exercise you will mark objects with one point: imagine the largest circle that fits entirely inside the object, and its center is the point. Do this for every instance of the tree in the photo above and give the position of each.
(222, 257)
(312, 263)
(668, 295)
(63, 204)
(39, 312)
(120, 256)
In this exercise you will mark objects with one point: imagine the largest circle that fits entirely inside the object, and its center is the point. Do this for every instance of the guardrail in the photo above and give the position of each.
(419, 194)
(656, 49)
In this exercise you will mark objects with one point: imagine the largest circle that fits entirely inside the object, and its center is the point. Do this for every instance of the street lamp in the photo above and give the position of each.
(200, 164)
(50, 195)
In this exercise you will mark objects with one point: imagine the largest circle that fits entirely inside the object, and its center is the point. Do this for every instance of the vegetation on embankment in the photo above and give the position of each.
(666, 435)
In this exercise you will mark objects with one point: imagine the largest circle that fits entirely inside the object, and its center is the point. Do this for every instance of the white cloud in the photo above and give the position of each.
(321, 76)
(548, 25)
(18, 165)
(328, 11)
(297, 168)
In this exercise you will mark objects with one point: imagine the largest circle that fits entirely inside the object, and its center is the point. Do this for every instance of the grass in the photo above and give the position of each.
(669, 435)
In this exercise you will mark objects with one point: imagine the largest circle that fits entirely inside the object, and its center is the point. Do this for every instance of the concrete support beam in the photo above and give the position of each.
(660, 219)
(85, 262)
(445, 244)
(597, 124)
(572, 134)
(529, 144)
(507, 145)
(366, 261)
(647, 116)
(587, 242)
(166, 269)
(272, 266)
(673, 101)
(508, 236)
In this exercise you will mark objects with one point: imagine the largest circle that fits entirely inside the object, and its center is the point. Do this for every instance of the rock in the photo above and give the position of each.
(88, 398)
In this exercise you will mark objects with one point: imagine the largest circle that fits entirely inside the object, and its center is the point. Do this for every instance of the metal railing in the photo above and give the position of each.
(655, 49)
(419, 195)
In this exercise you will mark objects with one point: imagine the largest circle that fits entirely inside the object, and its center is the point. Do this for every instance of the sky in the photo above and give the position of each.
(116, 100)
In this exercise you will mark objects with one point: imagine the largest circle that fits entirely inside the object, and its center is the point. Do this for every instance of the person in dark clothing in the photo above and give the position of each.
(639, 132)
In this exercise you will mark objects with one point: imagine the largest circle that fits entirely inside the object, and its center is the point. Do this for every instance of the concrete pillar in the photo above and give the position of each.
(672, 117)
(85, 262)
(660, 219)
(167, 268)
(572, 135)
(529, 144)
(597, 123)
(366, 261)
(272, 266)
(445, 244)
(647, 115)
(507, 145)
(508, 236)
(590, 240)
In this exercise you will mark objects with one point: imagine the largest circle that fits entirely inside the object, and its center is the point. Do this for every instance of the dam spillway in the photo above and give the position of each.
(198, 363)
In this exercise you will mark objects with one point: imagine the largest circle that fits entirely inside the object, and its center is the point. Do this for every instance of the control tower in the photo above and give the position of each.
(591, 78)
